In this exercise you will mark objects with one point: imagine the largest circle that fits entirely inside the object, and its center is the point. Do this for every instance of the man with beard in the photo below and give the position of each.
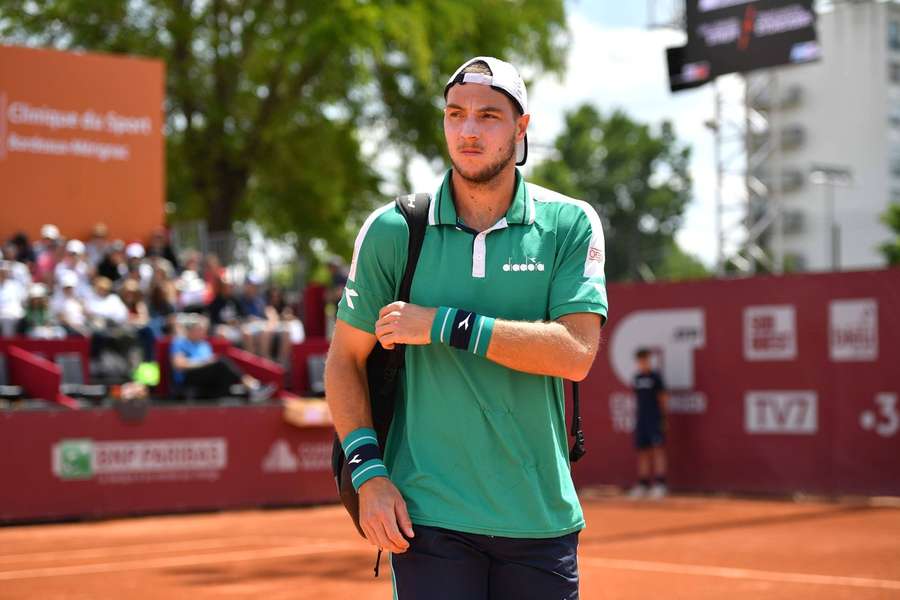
(472, 494)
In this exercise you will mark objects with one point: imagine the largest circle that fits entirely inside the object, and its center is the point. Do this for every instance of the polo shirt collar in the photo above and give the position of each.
(443, 210)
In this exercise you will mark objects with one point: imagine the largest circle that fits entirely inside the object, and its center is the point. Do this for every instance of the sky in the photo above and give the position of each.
(615, 61)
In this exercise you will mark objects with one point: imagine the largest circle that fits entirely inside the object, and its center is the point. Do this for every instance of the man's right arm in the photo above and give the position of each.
(382, 510)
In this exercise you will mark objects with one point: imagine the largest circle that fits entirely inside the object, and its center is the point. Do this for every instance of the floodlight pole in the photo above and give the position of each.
(776, 179)
(716, 127)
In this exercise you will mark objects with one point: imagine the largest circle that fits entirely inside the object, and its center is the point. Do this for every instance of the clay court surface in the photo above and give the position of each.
(683, 547)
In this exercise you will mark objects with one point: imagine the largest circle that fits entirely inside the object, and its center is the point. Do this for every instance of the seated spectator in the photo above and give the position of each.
(226, 312)
(96, 247)
(38, 321)
(19, 270)
(68, 306)
(192, 292)
(12, 299)
(47, 254)
(286, 328)
(257, 328)
(195, 366)
(19, 249)
(139, 317)
(113, 265)
(161, 305)
(160, 247)
(108, 318)
(73, 262)
(137, 269)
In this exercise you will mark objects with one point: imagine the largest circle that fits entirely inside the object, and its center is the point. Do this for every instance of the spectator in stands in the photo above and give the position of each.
(193, 295)
(68, 306)
(74, 262)
(290, 329)
(213, 270)
(257, 328)
(23, 251)
(138, 270)
(226, 312)
(47, 254)
(195, 366)
(113, 265)
(98, 245)
(12, 299)
(38, 321)
(18, 270)
(160, 247)
(108, 318)
(139, 317)
(161, 305)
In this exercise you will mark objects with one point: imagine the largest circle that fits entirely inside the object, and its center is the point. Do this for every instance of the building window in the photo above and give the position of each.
(894, 72)
(894, 35)
(895, 196)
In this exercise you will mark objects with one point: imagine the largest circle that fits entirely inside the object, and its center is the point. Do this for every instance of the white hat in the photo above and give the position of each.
(75, 246)
(51, 232)
(504, 78)
(255, 279)
(37, 290)
(134, 250)
(68, 279)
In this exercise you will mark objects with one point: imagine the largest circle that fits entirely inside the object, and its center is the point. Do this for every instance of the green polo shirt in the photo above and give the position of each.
(475, 446)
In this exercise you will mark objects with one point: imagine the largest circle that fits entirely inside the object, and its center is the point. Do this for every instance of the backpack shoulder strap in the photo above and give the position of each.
(415, 208)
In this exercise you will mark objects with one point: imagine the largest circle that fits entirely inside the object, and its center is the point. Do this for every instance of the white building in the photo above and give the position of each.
(842, 111)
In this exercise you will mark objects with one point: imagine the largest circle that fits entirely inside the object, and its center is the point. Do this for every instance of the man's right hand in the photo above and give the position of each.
(383, 515)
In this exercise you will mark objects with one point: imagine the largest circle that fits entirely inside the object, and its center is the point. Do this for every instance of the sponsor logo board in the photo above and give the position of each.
(781, 412)
(770, 333)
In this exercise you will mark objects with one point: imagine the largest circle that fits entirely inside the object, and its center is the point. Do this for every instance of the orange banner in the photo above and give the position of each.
(80, 142)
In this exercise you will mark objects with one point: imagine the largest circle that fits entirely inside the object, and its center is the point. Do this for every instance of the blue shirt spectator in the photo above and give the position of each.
(193, 350)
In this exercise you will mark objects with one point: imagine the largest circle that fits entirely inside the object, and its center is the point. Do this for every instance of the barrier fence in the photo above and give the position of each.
(779, 384)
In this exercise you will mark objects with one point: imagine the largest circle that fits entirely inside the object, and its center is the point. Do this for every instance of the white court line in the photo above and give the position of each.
(731, 573)
(177, 561)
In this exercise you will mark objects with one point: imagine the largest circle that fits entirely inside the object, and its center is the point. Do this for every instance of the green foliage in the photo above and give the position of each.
(268, 101)
(891, 250)
(636, 178)
(678, 265)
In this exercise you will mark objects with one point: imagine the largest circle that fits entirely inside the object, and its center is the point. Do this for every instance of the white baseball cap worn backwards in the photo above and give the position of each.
(504, 78)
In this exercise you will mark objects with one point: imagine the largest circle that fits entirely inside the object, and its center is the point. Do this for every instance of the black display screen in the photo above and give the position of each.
(736, 36)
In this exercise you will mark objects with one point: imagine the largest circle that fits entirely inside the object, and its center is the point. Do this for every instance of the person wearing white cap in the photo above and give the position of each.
(12, 299)
(138, 269)
(473, 493)
(74, 262)
(68, 307)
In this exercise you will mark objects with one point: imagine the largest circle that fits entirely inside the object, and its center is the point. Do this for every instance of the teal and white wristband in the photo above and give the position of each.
(363, 456)
(462, 329)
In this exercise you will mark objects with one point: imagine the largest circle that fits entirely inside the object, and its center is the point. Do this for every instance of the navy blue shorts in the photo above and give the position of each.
(649, 433)
(449, 565)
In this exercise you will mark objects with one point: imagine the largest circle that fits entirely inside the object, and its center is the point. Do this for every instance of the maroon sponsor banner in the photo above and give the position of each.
(91, 463)
(778, 384)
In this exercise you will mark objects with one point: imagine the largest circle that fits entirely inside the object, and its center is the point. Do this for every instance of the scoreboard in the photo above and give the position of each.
(736, 36)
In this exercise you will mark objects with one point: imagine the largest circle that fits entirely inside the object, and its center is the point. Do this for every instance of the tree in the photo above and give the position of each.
(636, 178)
(269, 102)
(891, 250)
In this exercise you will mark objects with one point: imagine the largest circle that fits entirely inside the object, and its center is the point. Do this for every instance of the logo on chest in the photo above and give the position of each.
(530, 264)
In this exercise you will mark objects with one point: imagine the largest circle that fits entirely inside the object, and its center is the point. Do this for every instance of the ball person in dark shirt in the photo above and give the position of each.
(649, 429)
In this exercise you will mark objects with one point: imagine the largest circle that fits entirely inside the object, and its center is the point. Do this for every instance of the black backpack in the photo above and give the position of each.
(383, 366)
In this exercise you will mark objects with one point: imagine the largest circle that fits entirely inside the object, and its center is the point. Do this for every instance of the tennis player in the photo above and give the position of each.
(473, 494)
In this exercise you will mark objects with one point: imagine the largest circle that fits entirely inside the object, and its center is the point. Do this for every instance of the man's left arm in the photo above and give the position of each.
(563, 346)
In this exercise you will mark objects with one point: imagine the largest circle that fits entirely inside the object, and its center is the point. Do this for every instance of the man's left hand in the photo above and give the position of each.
(404, 323)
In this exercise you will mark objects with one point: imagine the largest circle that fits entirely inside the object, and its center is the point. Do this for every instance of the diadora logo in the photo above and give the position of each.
(530, 264)
(355, 460)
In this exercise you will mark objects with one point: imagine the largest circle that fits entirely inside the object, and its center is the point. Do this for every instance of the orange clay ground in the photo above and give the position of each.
(682, 547)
